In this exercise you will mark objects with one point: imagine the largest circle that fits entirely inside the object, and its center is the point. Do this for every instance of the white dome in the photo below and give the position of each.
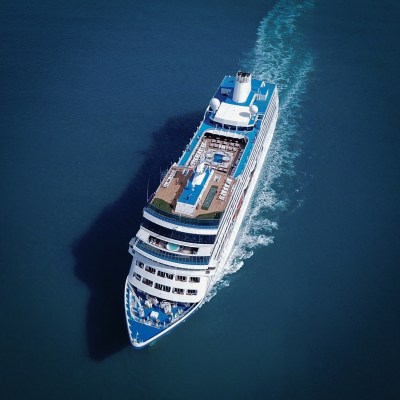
(253, 109)
(214, 104)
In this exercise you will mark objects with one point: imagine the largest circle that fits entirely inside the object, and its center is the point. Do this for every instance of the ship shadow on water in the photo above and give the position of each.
(101, 254)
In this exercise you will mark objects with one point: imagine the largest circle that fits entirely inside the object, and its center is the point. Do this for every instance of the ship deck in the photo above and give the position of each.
(221, 154)
(148, 316)
(200, 184)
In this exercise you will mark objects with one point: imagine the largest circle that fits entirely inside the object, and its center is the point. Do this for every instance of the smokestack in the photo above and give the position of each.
(242, 87)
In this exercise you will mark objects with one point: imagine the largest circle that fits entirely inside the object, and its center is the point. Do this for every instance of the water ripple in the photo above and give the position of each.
(279, 56)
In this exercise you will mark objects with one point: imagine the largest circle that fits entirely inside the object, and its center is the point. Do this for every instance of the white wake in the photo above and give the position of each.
(279, 57)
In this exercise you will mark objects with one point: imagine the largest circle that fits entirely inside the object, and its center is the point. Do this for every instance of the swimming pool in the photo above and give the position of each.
(173, 247)
(218, 158)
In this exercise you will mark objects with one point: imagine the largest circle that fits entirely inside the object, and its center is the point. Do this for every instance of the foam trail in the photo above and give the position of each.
(279, 56)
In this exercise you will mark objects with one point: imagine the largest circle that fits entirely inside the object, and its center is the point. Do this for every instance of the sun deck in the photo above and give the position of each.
(220, 156)
(200, 184)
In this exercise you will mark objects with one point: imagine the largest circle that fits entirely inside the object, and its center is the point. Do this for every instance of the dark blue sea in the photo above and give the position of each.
(98, 97)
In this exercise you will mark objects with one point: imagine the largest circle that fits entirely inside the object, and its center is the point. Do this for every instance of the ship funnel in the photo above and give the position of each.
(242, 87)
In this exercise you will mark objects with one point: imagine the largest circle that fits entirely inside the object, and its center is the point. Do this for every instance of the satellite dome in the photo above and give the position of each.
(214, 104)
(253, 109)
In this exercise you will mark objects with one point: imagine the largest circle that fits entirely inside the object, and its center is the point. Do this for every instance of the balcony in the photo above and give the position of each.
(177, 258)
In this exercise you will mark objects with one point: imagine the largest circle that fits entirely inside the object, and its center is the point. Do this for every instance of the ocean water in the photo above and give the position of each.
(98, 97)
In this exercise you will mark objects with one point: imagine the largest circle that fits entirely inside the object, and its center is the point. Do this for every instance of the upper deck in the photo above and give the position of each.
(200, 184)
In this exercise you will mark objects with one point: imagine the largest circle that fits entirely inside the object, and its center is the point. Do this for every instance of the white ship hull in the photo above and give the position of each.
(246, 200)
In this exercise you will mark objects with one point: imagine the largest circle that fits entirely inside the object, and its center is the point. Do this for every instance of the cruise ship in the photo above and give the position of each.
(191, 222)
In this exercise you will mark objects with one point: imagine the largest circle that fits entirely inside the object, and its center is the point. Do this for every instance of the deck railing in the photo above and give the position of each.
(178, 235)
(180, 220)
(165, 255)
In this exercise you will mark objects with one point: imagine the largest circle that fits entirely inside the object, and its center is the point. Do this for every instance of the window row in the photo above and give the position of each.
(177, 235)
(164, 288)
(233, 127)
(174, 257)
(162, 274)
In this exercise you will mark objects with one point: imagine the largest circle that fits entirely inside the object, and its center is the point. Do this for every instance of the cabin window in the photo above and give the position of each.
(139, 264)
(177, 291)
(150, 269)
(137, 276)
(147, 282)
(191, 292)
(165, 275)
(181, 278)
(195, 279)
(162, 287)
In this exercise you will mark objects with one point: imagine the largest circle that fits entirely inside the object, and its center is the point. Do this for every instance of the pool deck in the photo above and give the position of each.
(234, 144)
(177, 179)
